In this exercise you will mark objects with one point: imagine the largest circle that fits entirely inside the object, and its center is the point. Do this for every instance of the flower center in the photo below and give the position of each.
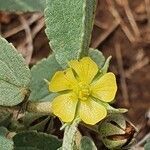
(84, 91)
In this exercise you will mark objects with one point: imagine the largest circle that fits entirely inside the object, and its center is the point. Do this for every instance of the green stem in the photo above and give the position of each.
(69, 135)
(42, 107)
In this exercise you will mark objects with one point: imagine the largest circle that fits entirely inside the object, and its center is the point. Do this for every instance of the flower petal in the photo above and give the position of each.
(64, 106)
(86, 69)
(62, 80)
(105, 88)
(91, 112)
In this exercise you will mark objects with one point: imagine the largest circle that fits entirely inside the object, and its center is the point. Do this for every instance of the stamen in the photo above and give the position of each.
(84, 91)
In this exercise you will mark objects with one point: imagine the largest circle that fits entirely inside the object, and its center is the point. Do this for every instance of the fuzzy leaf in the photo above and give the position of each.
(147, 145)
(97, 56)
(106, 65)
(5, 117)
(5, 144)
(22, 5)
(14, 75)
(87, 144)
(31, 121)
(43, 70)
(36, 141)
(3, 131)
(69, 26)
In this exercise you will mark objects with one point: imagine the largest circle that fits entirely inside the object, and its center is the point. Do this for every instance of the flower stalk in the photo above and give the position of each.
(70, 135)
(40, 107)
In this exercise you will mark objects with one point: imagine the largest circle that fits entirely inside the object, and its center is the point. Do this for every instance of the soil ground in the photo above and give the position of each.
(121, 29)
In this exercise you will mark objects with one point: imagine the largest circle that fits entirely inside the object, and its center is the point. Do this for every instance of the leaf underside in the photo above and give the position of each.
(87, 144)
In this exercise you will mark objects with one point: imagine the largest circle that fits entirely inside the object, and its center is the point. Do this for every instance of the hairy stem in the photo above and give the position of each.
(69, 135)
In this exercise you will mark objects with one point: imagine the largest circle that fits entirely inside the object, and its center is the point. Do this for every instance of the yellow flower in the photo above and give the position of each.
(80, 88)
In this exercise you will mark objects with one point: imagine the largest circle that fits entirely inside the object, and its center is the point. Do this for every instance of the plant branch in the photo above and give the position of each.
(69, 135)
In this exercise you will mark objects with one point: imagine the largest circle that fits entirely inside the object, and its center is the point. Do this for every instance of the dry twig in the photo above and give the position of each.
(141, 142)
(131, 18)
(101, 25)
(142, 61)
(147, 4)
(101, 38)
(38, 27)
(122, 75)
(17, 29)
(29, 40)
(140, 17)
(117, 16)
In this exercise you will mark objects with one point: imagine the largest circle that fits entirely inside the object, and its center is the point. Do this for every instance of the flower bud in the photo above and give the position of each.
(116, 132)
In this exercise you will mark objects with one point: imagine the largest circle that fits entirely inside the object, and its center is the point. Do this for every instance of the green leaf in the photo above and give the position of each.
(97, 56)
(147, 145)
(31, 121)
(69, 26)
(35, 121)
(15, 126)
(36, 141)
(87, 144)
(22, 5)
(106, 65)
(5, 144)
(112, 110)
(26, 148)
(3, 131)
(45, 69)
(14, 75)
(5, 117)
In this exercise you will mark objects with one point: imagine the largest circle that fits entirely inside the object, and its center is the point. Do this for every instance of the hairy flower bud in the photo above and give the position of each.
(116, 132)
